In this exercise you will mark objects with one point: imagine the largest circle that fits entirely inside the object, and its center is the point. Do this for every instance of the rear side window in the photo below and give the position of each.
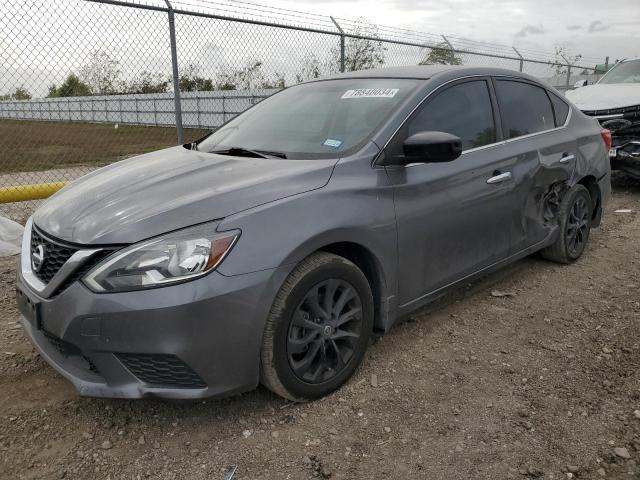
(560, 108)
(525, 108)
(463, 110)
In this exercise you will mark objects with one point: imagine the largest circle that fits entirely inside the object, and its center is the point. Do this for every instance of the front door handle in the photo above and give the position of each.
(567, 158)
(499, 178)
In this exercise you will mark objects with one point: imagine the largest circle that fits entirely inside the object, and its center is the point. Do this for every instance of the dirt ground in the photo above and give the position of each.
(36, 146)
(541, 383)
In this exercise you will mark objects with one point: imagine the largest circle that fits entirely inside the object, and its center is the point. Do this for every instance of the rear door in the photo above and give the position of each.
(543, 152)
(455, 218)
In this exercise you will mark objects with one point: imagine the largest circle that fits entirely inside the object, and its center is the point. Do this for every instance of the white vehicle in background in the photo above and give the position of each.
(615, 102)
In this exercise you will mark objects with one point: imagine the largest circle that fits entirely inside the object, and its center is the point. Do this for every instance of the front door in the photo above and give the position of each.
(453, 218)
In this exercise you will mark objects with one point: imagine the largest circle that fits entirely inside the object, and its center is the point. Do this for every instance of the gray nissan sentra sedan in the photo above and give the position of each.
(273, 249)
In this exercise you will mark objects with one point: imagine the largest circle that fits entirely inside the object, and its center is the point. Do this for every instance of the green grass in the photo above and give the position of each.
(27, 146)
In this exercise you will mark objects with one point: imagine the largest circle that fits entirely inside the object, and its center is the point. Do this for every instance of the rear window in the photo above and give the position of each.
(560, 108)
(525, 108)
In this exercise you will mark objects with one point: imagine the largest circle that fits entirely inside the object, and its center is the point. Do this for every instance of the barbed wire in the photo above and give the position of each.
(292, 17)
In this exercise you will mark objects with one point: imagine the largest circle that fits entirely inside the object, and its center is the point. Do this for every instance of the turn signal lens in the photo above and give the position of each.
(219, 249)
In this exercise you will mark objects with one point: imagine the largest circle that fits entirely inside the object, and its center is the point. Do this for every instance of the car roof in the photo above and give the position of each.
(425, 72)
(413, 71)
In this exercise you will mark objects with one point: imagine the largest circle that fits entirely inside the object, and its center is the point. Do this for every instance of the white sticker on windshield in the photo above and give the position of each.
(371, 93)
(329, 142)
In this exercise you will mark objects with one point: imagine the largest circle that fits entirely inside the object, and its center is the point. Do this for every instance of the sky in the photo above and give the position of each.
(42, 42)
(593, 28)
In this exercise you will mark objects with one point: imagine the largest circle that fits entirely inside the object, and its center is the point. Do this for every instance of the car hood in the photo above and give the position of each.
(170, 189)
(605, 96)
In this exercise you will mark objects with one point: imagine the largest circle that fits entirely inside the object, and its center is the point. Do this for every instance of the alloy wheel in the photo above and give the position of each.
(577, 226)
(324, 331)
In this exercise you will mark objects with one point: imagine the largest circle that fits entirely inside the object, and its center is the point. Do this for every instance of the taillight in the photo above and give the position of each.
(606, 136)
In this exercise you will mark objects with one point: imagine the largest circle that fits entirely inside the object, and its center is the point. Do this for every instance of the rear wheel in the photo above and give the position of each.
(575, 215)
(318, 328)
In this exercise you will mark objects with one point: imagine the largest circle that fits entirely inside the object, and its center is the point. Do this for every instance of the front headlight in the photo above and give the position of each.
(171, 258)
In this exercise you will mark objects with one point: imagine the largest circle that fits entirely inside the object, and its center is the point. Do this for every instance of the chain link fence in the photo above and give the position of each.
(84, 83)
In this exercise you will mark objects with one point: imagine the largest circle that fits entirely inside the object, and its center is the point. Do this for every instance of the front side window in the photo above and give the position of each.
(463, 110)
(625, 72)
(525, 108)
(325, 119)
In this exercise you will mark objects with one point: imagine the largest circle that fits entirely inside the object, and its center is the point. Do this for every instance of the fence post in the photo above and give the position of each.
(568, 70)
(521, 59)
(341, 42)
(176, 79)
(155, 112)
(198, 109)
(452, 51)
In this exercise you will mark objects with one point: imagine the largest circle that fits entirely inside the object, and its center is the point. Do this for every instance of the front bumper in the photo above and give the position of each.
(191, 340)
(627, 155)
(624, 124)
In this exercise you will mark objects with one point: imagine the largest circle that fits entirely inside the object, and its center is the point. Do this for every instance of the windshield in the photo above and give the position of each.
(625, 72)
(324, 119)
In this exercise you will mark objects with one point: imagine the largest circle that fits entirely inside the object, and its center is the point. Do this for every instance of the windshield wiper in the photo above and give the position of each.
(272, 154)
(245, 152)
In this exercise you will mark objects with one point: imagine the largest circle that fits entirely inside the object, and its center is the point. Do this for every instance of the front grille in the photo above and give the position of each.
(85, 268)
(55, 255)
(165, 371)
(627, 111)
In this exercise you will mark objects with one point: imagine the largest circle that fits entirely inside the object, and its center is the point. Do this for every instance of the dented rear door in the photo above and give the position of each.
(542, 166)
(544, 153)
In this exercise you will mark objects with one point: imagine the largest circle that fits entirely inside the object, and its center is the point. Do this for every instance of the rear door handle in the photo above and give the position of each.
(499, 178)
(567, 158)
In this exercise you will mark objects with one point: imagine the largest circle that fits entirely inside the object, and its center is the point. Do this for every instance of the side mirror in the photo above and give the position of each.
(431, 147)
(580, 83)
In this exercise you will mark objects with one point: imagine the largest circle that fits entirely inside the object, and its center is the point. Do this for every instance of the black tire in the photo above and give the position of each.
(575, 215)
(297, 324)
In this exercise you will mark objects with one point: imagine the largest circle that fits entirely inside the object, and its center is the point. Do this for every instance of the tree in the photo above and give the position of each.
(441, 54)
(71, 87)
(361, 53)
(276, 81)
(249, 77)
(21, 93)
(561, 67)
(147, 82)
(101, 73)
(310, 69)
(191, 81)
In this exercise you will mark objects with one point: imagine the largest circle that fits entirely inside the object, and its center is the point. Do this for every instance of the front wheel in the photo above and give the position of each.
(575, 216)
(318, 328)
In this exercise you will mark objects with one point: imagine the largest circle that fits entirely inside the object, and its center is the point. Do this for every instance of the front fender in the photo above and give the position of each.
(355, 207)
(286, 231)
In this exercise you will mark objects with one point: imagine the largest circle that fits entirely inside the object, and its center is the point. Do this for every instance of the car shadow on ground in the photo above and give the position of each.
(621, 182)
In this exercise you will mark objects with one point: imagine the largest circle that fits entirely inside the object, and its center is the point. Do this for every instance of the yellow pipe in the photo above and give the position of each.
(22, 193)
